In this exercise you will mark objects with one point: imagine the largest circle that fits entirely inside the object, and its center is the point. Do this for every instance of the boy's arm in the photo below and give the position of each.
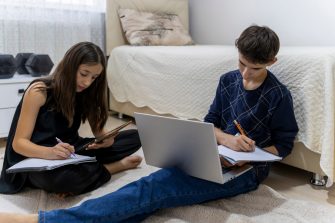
(272, 149)
(283, 127)
(237, 143)
(214, 112)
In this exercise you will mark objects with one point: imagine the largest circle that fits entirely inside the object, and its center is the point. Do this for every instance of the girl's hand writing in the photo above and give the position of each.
(61, 151)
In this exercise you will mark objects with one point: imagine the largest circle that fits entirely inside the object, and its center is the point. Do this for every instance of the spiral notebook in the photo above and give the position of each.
(258, 155)
(36, 164)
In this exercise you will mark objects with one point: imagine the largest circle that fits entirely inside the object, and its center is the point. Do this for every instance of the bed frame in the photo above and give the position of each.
(301, 157)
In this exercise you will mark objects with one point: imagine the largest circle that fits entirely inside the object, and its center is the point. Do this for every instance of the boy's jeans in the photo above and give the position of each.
(164, 188)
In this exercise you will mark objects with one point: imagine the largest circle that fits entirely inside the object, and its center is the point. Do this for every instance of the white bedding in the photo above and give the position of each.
(182, 81)
(177, 80)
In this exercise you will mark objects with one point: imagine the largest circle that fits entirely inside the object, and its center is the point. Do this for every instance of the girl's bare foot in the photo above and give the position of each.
(126, 163)
(18, 218)
(131, 162)
(64, 195)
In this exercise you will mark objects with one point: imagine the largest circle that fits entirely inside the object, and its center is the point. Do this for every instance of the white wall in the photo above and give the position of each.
(297, 22)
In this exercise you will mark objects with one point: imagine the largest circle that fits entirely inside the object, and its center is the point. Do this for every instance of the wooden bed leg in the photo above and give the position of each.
(318, 180)
(120, 115)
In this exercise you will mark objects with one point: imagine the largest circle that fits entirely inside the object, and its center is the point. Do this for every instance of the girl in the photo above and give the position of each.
(46, 123)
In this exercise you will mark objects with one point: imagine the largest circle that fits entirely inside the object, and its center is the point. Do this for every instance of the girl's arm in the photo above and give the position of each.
(34, 98)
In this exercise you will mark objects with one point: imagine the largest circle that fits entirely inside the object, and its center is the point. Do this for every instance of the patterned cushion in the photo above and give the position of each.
(147, 28)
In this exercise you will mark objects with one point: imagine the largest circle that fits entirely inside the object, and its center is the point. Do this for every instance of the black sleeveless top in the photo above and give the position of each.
(49, 125)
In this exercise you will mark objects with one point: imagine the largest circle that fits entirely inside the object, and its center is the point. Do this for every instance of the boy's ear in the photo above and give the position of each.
(274, 60)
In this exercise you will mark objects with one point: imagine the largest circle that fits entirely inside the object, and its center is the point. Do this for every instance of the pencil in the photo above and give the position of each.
(239, 127)
(73, 155)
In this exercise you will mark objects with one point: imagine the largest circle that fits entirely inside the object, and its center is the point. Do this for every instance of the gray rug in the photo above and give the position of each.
(262, 205)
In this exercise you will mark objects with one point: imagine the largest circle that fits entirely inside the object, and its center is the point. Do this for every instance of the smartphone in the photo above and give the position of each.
(101, 138)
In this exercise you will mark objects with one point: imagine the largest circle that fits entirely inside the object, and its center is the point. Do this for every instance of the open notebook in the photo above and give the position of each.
(258, 155)
(35, 164)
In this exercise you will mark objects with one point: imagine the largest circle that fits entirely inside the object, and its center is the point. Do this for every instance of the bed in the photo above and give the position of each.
(180, 81)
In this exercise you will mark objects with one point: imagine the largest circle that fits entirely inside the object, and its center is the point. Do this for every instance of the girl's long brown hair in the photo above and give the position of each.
(92, 102)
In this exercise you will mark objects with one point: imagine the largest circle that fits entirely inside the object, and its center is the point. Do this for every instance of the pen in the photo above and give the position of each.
(239, 127)
(60, 141)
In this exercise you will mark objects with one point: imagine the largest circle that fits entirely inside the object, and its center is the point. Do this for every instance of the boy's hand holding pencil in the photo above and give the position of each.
(242, 142)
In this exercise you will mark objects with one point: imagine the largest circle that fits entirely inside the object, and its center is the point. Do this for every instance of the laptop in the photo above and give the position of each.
(188, 145)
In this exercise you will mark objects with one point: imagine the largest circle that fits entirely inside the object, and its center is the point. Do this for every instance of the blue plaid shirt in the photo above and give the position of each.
(266, 113)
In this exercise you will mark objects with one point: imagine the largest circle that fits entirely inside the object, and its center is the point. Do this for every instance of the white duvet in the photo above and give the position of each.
(181, 80)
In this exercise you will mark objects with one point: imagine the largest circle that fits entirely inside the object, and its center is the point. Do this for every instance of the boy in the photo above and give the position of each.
(251, 96)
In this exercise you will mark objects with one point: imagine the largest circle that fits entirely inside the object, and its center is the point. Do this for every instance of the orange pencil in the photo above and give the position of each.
(239, 127)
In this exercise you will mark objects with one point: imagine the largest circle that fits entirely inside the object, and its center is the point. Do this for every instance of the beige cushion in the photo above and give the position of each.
(114, 33)
(149, 28)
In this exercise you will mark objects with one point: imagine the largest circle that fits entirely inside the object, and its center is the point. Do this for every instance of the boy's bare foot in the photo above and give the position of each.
(18, 218)
(126, 163)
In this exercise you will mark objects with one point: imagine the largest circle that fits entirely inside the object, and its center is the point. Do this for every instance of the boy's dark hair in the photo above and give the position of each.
(258, 44)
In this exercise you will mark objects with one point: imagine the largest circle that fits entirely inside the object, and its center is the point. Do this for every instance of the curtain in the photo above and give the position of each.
(50, 26)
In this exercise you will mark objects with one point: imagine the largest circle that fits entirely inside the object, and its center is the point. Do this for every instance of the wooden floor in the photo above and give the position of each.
(294, 183)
